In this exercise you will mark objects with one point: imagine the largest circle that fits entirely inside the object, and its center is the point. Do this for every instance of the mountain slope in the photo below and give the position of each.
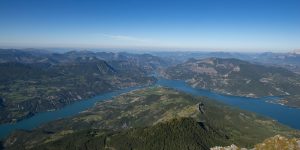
(277, 142)
(280, 143)
(184, 133)
(28, 88)
(236, 77)
(132, 120)
(289, 60)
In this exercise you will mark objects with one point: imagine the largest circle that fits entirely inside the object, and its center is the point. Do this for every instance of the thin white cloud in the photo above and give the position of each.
(126, 38)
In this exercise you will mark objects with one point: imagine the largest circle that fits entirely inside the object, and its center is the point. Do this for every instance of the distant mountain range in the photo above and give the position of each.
(237, 77)
(35, 81)
(290, 60)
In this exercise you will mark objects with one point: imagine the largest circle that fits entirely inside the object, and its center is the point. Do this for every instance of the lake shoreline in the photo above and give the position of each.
(256, 105)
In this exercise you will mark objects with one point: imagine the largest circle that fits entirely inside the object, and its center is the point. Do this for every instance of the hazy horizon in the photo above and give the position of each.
(193, 25)
(131, 50)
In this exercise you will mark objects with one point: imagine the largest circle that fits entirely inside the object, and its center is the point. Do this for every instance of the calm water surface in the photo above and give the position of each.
(286, 115)
(283, 114)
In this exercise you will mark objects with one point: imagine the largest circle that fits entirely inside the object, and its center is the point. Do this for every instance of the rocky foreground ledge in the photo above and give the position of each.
(277, 142)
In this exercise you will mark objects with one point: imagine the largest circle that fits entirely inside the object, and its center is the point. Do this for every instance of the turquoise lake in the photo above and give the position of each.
(283, 114)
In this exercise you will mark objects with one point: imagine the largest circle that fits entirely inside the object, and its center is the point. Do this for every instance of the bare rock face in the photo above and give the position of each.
(231, 147)
(277, 142)
(201, 108)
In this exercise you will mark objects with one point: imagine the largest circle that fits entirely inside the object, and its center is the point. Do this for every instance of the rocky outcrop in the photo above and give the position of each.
(277, 142)
(231, 147)
(201, 108)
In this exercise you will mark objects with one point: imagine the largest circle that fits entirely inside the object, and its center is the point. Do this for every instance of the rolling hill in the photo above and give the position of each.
(152, 118)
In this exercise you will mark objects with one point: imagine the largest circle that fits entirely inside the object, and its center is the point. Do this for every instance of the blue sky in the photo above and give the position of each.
(229, 25)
